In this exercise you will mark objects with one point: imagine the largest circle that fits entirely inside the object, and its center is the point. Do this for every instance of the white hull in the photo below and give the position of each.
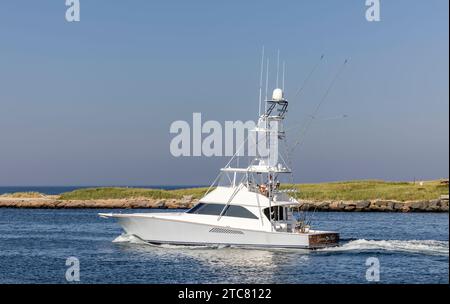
(169, 231)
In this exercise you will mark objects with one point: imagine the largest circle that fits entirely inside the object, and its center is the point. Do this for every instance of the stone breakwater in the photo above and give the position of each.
(437, 205)
(53, 202)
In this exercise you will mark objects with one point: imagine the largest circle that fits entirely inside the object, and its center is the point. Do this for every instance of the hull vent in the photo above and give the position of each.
(226, 231)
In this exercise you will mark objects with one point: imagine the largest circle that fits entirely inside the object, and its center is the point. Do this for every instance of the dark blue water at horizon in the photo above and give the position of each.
(35, 243)
(55, 190)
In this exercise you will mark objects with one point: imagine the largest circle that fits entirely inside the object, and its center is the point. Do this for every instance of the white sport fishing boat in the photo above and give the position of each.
(252, 210)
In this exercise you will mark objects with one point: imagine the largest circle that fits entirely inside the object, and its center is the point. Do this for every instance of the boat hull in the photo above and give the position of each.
(168, 231)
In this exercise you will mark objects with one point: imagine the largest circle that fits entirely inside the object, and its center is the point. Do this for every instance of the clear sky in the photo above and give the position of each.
(90, 103)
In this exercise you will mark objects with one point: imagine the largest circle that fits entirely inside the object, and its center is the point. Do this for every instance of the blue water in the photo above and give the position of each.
(34, 246)
(55, 190)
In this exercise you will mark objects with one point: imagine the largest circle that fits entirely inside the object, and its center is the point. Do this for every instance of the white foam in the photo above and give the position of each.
(128, 238)
(172, 246)
(431, 247)
(132, 239)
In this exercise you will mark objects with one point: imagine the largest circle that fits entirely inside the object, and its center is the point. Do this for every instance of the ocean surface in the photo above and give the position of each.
(35, 244)
(55, 190)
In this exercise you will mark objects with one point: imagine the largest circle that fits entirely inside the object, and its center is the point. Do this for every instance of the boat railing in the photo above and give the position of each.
(264, 190)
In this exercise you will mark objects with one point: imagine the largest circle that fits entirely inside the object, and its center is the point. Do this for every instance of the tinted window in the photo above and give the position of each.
(238, 211)
(195, 208)
(209, 209)
(216, 209)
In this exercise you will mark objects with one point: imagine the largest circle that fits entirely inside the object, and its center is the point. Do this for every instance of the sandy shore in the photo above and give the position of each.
(53, 202)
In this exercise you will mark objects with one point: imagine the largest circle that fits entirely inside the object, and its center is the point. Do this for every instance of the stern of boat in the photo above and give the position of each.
(323, 239)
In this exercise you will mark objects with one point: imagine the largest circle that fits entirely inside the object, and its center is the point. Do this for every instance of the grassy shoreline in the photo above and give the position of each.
(373, 189)
(346, 191)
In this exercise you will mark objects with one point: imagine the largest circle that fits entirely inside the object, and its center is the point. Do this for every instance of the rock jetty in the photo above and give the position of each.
(376, 205)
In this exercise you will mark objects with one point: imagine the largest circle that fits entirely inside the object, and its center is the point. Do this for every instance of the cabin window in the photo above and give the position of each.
(216, 209)
(239, 211)
(195, 208)
(209, 209)
(277, 213)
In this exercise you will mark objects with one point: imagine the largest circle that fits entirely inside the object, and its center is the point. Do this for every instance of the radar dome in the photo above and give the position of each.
(277, 95)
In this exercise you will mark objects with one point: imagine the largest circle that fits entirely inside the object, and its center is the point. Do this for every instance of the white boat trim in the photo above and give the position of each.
(150, 215)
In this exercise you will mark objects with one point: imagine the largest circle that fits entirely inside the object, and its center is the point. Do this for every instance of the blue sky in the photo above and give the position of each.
(90, 103)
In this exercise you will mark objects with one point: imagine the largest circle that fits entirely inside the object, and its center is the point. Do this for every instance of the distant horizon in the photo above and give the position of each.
(207, 185)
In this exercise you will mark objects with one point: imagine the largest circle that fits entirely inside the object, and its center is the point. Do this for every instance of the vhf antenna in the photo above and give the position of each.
(261, 80)
(267, 82)
(278, 65)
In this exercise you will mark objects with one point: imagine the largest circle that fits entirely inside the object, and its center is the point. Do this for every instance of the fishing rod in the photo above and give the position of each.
(298, 93)
(318, 106)
(294, 126)
(300, 89)
(312, 117)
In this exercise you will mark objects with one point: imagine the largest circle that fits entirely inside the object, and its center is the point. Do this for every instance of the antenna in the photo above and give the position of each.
(284, 71)
(267, 79)
(278, 64)
(261, 80)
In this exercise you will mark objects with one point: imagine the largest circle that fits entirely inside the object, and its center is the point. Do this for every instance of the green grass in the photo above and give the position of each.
(121, 193)
(349, 190)
(195, 192)
(372, 189)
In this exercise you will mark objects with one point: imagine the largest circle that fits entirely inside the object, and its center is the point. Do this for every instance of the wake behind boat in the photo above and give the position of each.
(250, 210)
